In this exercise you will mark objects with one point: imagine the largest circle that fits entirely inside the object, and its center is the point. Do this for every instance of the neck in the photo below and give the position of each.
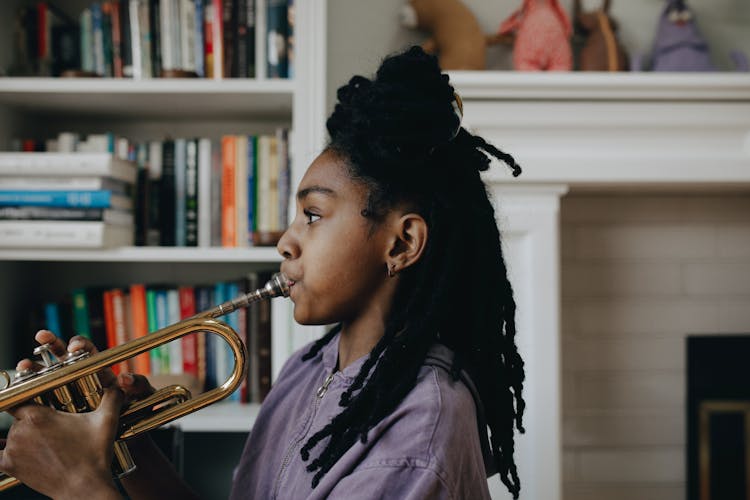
(360, 335)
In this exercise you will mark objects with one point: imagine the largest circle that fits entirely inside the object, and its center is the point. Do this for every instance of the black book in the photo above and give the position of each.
(191, 194)
(167, 212)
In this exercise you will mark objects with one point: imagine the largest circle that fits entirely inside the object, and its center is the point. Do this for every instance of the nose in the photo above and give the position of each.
(287, 245)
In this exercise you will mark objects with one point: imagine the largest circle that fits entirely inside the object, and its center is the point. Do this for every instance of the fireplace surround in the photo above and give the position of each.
(590, 133)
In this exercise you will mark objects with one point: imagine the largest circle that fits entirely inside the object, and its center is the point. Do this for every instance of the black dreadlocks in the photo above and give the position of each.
(397, 133)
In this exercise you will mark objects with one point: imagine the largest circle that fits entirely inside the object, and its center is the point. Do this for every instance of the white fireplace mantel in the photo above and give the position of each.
(596, 131)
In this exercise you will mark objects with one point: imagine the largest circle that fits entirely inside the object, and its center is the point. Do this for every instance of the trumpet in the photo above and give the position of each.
(72, 383)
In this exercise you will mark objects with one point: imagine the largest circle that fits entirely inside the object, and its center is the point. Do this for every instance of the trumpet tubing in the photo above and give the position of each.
(72, 384)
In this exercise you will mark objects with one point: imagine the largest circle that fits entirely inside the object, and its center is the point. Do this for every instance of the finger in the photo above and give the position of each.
(135, 386)
(24, 410)
(57, 346)
(80, 343)
(27, 364)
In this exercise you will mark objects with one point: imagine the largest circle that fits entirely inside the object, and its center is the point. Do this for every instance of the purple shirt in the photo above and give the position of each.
(433, 445)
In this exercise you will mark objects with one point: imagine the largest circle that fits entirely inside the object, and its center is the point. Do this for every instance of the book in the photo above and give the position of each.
(191, 193)
(153, 325)
(63, 234)
(204, 192)
(139, 321)
(277, 28)
(70, 198)
(167, 204)
(67, 164)
(228, 194)
(107, 215)
(173, 316)
(240, 191)
(62, 183)
(180, 191)
(189, 343)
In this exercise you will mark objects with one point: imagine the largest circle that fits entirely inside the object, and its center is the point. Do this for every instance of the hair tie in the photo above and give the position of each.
(458, 110)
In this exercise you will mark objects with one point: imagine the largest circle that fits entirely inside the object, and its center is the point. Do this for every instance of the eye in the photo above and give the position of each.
(311, 217)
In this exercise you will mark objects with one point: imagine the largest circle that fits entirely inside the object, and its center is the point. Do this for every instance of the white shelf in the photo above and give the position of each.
(146, 98)
(511, 85)
(146, 254)
(225, 416)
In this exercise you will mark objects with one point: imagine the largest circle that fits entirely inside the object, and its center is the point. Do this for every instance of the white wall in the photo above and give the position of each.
(639, 273)
(361, 33)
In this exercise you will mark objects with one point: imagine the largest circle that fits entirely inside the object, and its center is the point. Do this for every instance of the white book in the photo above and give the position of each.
(72, 164)
(187, 34)
(240, 192)
(167, 20)
(59, 183)
(135, 40)
(204, 192)
(175, 347)
(57, 234)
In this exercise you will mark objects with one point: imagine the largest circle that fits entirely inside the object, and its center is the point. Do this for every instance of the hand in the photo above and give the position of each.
(134, 386)
(64, 455)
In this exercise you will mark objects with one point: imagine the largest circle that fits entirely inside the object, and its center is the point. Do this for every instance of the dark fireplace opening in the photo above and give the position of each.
(718, 417)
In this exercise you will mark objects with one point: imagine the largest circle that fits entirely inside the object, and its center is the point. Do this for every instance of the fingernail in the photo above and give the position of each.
(128, 378)
(74, 346)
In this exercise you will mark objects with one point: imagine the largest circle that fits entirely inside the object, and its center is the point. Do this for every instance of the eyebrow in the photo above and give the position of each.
(315, 189)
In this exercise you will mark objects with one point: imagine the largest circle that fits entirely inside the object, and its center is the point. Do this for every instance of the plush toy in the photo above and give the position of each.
(541, 31)
(601, 50)
(456, 37)
(679, 46)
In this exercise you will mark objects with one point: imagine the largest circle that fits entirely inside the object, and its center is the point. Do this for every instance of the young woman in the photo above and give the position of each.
(395, 242)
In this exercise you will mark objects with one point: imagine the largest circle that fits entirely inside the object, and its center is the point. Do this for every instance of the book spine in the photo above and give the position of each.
(240, 191)
(276, 36)
(95, 300)
(251, 23)
(203, 301)
(192, 206)
(157, 42)
(188, 35)
(126, 42)
(216, 187)
(117, 296)
(166, 20)
(117, 59)
(219, 348)
(180, 190)
(52, 319)
(63, 234)
(173, 317)
(252, 197)
(241, 39)
(135, 39)
(153, 236)
(107, 38)
(142, 197)
(200, 64)
(109, 324)
(189, 343)
(218, 38)
(162, 321)
(81, 314)
(147, 37)
(87, 36)
(91, 199)
(153, 325)
(98, 38)
(229, 32)
(139, 314)
(284, 178)
(167, 214)
(208, 39)
(264, 343)
(228, 204)
(204, 192)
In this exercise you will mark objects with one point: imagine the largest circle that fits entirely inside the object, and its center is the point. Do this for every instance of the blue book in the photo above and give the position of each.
(252, 157)
(52, 318)
(162, 320)
(220, 347)
(204, 301)
(88, 199)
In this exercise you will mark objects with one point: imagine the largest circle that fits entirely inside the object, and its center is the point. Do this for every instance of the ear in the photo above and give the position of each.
(408, 241)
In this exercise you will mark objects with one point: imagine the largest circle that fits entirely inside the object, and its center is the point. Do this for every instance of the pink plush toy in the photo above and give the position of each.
(542, 32)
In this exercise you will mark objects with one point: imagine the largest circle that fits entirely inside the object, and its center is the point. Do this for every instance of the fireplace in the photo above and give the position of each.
(718, 417)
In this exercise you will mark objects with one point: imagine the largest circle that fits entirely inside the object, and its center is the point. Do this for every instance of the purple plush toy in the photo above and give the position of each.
(679, 46)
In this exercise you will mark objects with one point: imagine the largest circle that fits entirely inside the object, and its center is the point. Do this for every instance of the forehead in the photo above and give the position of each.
(330, 171)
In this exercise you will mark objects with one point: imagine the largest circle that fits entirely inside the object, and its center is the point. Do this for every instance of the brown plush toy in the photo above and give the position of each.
(456, 37)
(601, 50)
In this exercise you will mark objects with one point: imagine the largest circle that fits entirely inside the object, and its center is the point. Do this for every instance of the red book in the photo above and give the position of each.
(117, 297)
(228, 201)
(109, 324)
(138, 311)
(189, 342)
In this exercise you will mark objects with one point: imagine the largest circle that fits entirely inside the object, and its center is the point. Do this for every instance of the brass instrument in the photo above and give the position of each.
(72, 384)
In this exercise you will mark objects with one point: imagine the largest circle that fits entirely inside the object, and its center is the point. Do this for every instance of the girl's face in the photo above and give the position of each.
(334, 255)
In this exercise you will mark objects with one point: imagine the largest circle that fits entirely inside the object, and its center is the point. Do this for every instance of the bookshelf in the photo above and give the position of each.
(149, 109)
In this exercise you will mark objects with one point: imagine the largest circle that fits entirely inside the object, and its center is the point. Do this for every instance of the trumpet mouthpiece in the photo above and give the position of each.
(278, 285)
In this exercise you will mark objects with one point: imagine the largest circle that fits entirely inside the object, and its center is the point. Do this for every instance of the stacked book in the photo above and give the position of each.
(66, 200)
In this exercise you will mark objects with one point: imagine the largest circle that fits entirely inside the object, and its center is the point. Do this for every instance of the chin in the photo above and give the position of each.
(307, 318)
